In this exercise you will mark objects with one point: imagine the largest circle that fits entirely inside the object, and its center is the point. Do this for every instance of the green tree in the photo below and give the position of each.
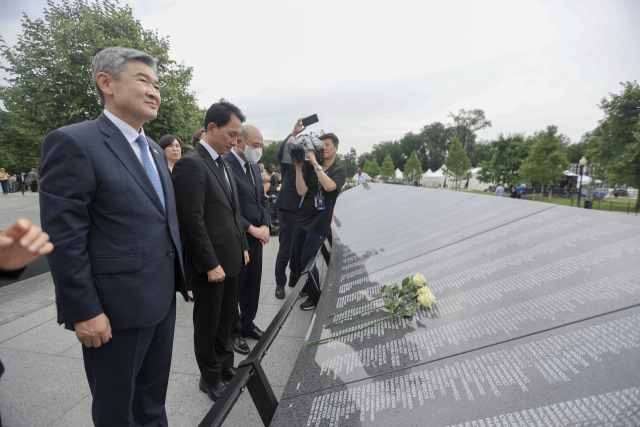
(457, 163)
(50, 83)
(367, 164)
(389, 148)
(373, 170)
(269, 155)
(412, 168)
(349, 161)
(504, 165)
(547, 159)
(388, 170)
(576, 151)
(615, 144)
(466, 123)
(438, 141)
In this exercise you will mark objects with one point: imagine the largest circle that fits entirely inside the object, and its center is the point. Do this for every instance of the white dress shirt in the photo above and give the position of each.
(214, 154)
(363, 178)
(131, 135)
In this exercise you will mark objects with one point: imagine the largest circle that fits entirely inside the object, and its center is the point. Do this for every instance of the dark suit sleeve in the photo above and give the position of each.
(67, 190)
(280, 152)
(264, 204)
(190, 189)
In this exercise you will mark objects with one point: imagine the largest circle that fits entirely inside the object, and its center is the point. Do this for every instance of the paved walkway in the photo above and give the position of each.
(45, 385)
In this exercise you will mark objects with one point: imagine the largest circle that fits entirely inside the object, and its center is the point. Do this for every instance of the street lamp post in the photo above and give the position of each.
(583, 161)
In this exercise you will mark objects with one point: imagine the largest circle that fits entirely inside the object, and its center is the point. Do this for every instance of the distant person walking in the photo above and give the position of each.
(499, 191)
(20, 180)
(33, 180)
(4, 182)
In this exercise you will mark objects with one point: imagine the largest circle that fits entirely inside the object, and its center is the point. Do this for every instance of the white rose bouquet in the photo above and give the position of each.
(400, 301)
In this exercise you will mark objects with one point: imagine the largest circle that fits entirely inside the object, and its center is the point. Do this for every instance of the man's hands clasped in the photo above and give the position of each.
(261, 233)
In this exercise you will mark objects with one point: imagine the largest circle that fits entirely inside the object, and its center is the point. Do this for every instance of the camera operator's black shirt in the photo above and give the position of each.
(309, 217)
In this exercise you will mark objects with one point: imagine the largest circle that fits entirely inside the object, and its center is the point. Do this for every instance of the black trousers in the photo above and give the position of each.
(248, 290)
(214, 310)
(129, 375)
(286, 237)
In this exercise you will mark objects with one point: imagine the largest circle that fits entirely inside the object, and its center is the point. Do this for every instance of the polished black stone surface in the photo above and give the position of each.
(501, 269)
(585, 373)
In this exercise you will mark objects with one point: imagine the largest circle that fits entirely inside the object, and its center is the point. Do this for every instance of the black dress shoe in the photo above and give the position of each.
(213, 391)
(228, 374)
(256, 333)
(280, 293)
(239, 345)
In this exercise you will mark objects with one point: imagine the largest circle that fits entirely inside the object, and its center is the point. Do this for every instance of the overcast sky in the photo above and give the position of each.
(375, 70)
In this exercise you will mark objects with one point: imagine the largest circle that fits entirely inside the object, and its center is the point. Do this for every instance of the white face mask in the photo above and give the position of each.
(252, 154)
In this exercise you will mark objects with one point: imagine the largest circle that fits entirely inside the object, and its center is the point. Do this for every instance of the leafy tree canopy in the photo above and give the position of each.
(388, 170)
(50, 83)
(457, 163)
(504, 165)
(373, 170)
(615, 144)
(547, 158)
(412, 168)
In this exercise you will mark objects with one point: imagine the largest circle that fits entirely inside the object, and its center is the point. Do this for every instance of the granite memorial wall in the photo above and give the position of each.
(537, 319)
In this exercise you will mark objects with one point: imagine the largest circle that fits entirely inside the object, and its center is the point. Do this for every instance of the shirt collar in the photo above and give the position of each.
(242, 162)
(210, 149)
(129, 132)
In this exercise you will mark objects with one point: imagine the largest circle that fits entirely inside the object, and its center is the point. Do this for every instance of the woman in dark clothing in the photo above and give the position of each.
(273, 185)
(172, 147)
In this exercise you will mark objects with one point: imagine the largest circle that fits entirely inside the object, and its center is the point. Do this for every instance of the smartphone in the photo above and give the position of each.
(310, 120)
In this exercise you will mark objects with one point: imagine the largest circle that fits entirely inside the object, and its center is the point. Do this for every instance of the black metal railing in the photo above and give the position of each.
(250, 374)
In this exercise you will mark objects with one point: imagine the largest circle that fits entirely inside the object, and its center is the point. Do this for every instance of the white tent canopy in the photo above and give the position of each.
(433, 179)
(428, 172)
(474, 181)
(584, 179)
(399, 174)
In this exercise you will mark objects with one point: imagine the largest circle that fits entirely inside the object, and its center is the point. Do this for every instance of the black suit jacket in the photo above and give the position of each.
(253, 203)
(209, 215)
(288, 197)
(115, 245)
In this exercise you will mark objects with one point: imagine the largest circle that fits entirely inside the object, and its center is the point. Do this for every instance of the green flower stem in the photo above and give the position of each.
(349, 317)
(351, 332)
(354, 306)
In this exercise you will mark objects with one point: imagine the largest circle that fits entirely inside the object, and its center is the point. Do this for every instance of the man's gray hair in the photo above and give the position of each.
(245, 132)
(112, 61)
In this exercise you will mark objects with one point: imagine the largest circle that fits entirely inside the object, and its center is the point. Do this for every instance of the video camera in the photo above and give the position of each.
(297, 149)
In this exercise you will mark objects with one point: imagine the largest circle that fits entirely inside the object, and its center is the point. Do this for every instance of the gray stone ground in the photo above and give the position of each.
(45, 385)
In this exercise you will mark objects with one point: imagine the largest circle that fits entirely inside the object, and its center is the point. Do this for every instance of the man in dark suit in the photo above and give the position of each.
(216, 247)
(107, 202)
(257, 225)
(288, 202)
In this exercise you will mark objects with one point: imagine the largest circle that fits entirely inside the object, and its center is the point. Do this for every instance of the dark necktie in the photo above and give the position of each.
(249, 175)
(220, 163)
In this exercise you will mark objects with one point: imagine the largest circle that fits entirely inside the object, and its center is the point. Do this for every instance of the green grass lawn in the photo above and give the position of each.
(613, 205)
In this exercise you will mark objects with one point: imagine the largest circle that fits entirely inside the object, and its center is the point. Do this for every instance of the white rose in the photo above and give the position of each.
(423, 290)
(426, 299)
(419, 279)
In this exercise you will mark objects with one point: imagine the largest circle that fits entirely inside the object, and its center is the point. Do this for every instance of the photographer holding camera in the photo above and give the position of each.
(319, 185)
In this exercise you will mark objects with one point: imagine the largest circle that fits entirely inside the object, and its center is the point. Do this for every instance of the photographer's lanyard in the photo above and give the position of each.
(319, 199)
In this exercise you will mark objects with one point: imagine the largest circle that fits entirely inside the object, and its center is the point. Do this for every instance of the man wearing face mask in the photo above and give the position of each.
(255, 216)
